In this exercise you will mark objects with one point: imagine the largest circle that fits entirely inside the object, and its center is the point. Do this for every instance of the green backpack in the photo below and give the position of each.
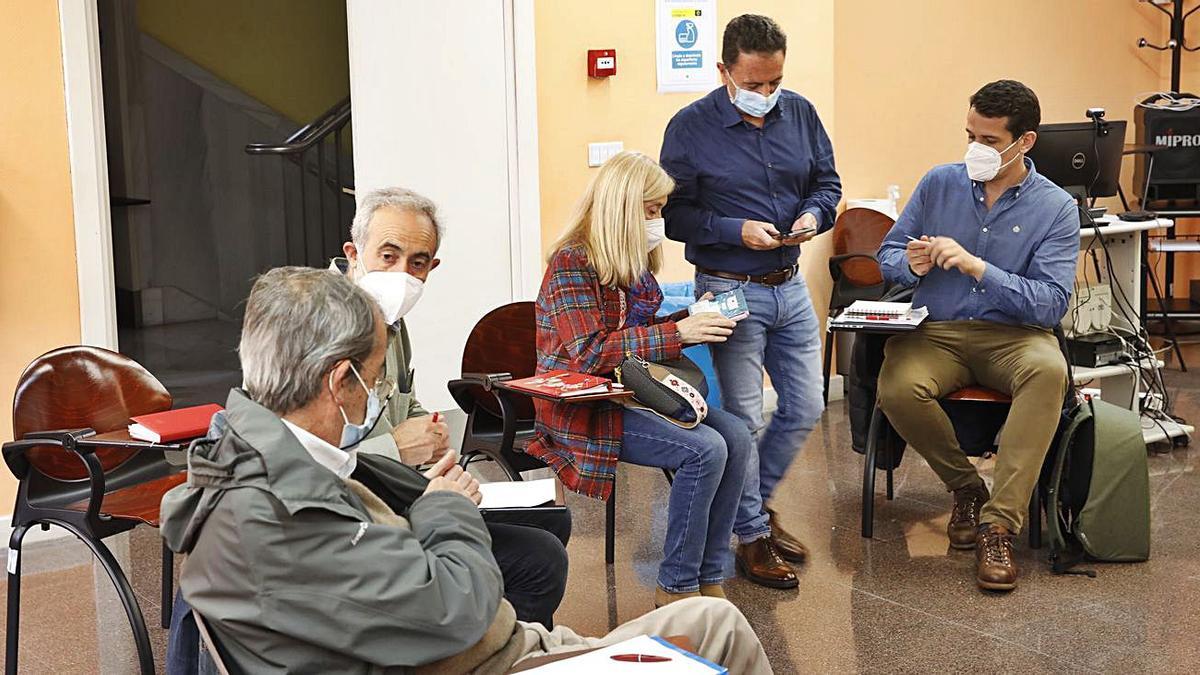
(1098, 489)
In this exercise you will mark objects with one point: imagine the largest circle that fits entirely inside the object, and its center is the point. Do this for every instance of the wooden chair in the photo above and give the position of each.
(500, 422)
(78, 469)
(857, 234)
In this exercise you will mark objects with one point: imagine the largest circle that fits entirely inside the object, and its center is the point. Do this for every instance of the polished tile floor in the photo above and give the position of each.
(900, 602)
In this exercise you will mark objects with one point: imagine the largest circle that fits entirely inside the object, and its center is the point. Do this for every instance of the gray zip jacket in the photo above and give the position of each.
(294, 576)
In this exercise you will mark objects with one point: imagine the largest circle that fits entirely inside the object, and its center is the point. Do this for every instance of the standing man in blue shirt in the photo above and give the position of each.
(754, 176)
(992, 247)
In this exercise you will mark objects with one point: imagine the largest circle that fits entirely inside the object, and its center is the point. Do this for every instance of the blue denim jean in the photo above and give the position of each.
(709, 462)
(781, 334)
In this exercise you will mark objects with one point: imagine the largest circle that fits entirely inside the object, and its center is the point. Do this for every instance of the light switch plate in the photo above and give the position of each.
(598, 153)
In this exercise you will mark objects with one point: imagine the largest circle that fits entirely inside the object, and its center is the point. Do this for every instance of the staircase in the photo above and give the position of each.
(318, 186)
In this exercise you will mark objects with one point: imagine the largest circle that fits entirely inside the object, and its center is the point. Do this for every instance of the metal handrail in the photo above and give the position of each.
(308, 135)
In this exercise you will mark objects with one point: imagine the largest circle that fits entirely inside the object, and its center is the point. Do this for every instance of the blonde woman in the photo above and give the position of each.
(596, 307)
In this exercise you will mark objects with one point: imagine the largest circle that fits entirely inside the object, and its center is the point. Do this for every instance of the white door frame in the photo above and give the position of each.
(524, 191)
(89, 172)
(89, 163)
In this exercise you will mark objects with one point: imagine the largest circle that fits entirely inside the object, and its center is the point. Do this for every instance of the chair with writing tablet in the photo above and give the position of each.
(500, 420)
(857, 234)
(78, 468)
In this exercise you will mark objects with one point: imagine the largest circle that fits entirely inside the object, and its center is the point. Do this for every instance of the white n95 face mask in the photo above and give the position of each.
(985, 162)
(656, 231)
(396, 292)
(753, 103)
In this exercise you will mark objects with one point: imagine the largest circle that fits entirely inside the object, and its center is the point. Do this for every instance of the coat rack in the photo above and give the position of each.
(1177, 44)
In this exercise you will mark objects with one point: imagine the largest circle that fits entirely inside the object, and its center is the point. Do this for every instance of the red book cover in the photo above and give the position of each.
(562, 384)
(174, 425)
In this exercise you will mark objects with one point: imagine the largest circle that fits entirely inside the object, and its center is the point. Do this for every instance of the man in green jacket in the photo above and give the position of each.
(394, 244)
(304, 555)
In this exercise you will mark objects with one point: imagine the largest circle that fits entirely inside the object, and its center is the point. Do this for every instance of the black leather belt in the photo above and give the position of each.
(769, 279)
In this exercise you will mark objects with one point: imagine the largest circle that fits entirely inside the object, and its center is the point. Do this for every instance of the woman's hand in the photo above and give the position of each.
(707, 327)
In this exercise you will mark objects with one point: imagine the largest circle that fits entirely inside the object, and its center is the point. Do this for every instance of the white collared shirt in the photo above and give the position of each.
(335, 459)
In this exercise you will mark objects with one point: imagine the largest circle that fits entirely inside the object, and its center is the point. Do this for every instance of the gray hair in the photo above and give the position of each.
(396, 198)
(300, 322)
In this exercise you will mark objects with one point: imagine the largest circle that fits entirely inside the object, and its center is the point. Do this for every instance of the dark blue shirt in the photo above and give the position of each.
(728, 171)
(1029, 240)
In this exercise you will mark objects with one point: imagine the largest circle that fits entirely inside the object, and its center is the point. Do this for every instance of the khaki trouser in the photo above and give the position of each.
(716, 628)
(1024, 362)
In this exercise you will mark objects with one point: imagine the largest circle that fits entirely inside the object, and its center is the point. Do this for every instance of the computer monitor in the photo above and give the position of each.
(1079, 159)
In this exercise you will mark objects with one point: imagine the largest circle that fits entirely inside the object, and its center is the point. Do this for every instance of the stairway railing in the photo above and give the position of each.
(317, 211)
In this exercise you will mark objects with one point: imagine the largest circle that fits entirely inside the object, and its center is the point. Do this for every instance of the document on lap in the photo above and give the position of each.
(517, 494)
(679, 662)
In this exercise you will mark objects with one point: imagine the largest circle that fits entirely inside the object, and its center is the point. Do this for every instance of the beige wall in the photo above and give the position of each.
(289, 54)
(890, 79)
(39, 297)
(905, 71)
(574, 110)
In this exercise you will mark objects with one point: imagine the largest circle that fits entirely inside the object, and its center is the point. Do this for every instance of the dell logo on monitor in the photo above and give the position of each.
(1078, 160)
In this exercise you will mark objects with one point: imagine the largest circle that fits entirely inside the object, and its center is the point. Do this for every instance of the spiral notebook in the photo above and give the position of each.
(867, 315)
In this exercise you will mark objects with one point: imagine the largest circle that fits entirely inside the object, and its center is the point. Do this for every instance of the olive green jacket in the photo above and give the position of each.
(294, 576)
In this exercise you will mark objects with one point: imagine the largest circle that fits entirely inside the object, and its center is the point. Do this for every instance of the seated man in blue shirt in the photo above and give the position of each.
(992, 248)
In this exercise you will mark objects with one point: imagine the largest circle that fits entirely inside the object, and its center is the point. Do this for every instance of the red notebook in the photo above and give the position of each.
(174, 425)
(563, 384)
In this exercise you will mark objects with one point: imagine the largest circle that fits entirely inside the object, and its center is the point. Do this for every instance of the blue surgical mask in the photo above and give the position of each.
(353, 434)
(753, 103)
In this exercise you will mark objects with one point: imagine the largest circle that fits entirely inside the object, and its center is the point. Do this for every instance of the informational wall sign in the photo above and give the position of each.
(686, 35)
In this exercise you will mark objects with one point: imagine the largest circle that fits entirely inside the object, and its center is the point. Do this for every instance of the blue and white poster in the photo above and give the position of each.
(686, 35)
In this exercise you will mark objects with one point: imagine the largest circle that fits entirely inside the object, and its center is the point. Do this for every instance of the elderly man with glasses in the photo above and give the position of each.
(305, 555)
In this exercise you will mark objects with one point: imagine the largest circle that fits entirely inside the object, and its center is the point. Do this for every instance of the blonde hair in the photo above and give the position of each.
(609, 221)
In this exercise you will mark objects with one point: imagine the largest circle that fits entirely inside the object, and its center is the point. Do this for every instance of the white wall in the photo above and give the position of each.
(434, 110)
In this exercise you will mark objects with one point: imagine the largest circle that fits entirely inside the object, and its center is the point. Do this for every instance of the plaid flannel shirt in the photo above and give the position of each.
(579, 328)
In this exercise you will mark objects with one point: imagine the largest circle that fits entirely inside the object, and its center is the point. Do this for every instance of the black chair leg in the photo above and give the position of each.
(168, 585)
(868, 489)
(826, 365)
(13, 624)
(610, 526)
(141, 636)
(891, 492)
(1035, 519)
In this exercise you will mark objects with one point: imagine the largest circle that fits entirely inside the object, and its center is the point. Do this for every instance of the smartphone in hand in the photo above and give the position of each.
(802, 232)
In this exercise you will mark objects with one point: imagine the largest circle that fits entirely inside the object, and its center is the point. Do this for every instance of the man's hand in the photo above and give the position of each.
(918, 256)
(949, 254)
(456, 480)
(421, 440)
(443, 465)
(803, 229)
(760, 236)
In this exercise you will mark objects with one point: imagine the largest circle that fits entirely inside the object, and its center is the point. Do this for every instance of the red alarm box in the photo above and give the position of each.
(602, 62)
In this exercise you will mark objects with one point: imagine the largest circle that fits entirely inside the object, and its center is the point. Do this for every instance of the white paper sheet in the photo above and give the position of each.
(599, 661)
(516, 494)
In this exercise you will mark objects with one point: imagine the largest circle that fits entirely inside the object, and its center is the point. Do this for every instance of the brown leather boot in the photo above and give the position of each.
(789, 547)
(759, 562)
(996, 569)
(964, 519)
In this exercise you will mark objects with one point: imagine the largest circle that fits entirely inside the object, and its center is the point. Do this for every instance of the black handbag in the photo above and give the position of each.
(673, 390)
